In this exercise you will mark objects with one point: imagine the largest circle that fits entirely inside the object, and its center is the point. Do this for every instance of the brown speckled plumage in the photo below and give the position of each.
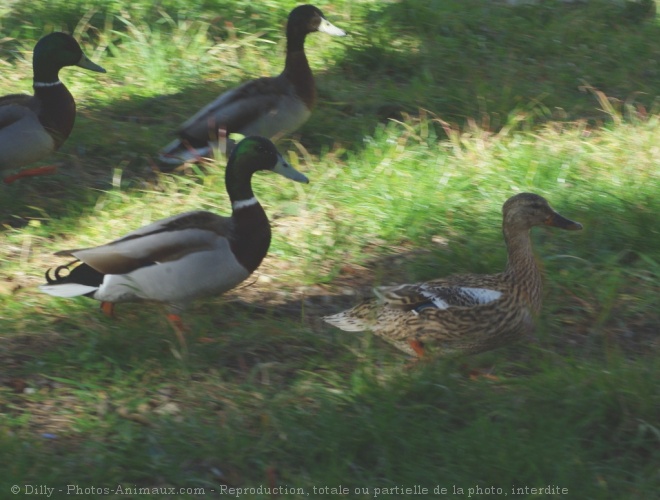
(465, 313)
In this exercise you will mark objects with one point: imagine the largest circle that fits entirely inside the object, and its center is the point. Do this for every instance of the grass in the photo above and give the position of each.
(431, 115)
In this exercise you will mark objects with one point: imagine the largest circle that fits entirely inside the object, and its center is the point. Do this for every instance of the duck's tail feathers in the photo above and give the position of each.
(68, 290)
(67, 281)
(362, 317)
(347, 322)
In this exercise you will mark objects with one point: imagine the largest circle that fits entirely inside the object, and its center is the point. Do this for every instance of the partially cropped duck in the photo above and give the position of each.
(270, 107)
(32, 127)
(184, 257)
(467, 313)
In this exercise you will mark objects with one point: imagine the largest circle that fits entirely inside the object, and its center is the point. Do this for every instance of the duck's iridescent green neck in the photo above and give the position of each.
(45, 69)
(238, 182)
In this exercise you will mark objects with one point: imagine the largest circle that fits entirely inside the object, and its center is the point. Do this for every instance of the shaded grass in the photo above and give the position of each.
(267, 395)
(275, 391)
(320, 428)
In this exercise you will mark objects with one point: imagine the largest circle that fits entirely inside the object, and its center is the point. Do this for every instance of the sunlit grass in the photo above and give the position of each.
(431, 114)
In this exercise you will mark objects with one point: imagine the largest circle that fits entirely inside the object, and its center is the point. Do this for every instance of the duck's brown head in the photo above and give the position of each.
(526, 210)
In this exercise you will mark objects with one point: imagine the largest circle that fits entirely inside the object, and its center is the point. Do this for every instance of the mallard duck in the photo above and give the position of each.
(465, 313)
(186, 256)
(32, 127)
(269, 107)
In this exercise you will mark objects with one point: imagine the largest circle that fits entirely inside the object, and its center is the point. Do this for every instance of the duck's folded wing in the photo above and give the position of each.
(470, 329)
(20, 99)
(236, 108)
(424, 295)
(165, 240)
(16, 107)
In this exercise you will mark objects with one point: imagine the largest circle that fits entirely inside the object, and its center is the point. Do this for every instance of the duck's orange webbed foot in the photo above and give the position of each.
(108, 309)
(31, 172)
(417, 346)
(193, 151)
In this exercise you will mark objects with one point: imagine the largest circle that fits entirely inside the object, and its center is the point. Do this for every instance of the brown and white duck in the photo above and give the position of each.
(470, 313)
(269, 107)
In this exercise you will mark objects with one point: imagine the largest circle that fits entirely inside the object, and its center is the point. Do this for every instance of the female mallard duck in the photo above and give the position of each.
(465, 313)
(181, 258)
(32, 127)
(269, 107)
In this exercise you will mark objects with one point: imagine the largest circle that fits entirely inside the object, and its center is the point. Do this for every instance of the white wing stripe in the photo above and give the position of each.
(67, 290)
(437, 301)
(481, 295)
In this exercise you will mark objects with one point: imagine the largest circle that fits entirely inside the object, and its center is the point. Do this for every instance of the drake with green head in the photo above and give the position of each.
(270, 107)
(183, 257)
(469, 313)
(32, 127)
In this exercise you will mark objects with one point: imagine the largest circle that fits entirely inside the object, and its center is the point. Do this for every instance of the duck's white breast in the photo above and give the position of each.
(25, 140)
(198, 274)
(287, 115)
(481, 295)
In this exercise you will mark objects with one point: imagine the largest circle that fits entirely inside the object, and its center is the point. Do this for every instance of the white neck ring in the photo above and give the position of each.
(46, 84)
(237, 205)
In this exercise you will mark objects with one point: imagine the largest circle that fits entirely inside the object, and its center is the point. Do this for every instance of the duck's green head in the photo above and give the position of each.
(308, 19)
(258, 153)
(526, 210)
(55, 51)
